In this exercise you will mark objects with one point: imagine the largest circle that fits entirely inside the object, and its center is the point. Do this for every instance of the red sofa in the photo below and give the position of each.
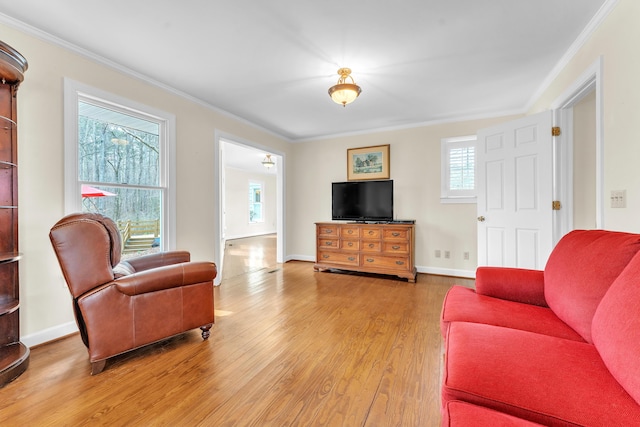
(559, 347)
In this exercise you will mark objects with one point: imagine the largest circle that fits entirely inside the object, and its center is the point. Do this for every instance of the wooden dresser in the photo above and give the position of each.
(371, 248)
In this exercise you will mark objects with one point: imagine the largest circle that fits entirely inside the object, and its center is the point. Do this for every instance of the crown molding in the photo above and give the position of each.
(437, 121)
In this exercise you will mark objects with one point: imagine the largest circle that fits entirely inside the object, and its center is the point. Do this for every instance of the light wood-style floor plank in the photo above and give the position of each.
(290, 347)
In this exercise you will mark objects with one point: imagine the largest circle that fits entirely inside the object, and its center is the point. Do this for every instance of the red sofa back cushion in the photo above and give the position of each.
(616, 329)
(580, 270)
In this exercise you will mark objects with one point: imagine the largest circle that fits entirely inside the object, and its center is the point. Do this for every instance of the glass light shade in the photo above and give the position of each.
(344, 93)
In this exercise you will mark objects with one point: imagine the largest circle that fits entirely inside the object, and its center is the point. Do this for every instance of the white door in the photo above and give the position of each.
(515, 190)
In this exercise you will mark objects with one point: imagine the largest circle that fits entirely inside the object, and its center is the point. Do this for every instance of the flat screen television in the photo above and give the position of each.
(362, 201)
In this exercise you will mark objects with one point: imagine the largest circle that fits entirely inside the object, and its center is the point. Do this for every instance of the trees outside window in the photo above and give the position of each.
(121, 169)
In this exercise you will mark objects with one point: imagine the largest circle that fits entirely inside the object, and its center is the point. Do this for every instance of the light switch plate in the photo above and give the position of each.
(618, 198)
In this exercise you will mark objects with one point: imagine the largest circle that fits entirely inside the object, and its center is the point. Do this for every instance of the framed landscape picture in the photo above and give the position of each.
(368, 163)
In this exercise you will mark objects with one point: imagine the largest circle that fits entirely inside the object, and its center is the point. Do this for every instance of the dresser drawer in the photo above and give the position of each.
(371, 232)
(328, 230)
(370, 246)
(350, 245)
(385, 262)
(396, 234)
(395, 247)
(337, 258)
(328, 243)
(349, 231)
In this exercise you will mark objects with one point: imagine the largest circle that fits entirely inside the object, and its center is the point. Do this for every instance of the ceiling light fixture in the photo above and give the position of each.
(344, 93)
(268, 162)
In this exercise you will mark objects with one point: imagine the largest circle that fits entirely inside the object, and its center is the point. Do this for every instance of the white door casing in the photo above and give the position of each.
(515, 191)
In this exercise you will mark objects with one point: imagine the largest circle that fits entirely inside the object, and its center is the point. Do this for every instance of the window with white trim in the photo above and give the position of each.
(256, 196)
(458, 170)
(117, 164)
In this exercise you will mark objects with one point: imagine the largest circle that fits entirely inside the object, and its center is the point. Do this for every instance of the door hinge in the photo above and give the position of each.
(555, 131)
(555, 205)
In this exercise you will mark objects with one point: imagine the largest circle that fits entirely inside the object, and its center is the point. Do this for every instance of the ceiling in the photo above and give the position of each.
(272, 62)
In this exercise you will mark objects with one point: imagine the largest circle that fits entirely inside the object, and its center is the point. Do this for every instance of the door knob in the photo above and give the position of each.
(481, 218)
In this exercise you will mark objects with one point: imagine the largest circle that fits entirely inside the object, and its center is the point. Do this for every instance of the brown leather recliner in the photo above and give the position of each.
(120, 306)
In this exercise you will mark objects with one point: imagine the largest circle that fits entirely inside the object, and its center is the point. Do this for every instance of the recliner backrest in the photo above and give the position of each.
(88, 246)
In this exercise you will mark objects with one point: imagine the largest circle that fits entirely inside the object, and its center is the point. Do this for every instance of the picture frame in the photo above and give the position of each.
(367, 163)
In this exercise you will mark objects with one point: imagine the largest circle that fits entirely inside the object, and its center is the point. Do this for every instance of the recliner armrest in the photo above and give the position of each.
(159, 259)
(167, 277)
(513, 284)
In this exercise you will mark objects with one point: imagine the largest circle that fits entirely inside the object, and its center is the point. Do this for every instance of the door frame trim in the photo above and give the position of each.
(588, 81)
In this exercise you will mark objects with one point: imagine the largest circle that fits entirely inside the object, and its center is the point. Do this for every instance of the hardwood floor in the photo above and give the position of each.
(290, 347)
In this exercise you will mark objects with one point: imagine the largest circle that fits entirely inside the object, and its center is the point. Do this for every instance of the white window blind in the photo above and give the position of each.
(458, 178)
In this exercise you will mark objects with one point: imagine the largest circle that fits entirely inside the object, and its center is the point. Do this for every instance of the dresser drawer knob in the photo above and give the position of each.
(351, 258)
(400, 262)
(370, 232)
(395, 234)
(350, 232)
(328, 243)
(371, 245)
(369, 259)
(395, 247)
(328, 231)
(325, 256)
(350, 244)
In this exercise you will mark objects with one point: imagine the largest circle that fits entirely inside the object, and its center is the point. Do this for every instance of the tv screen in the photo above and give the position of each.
(362, 200)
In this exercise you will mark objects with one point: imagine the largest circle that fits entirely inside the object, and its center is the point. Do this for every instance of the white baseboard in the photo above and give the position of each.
(468, 274)
(49, 334)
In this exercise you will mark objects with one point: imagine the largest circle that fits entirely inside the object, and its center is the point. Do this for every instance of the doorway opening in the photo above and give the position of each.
(250, 206)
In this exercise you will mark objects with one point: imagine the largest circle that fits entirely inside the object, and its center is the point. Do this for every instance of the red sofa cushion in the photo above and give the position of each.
(580, 270)
(548, 380)
(464, 305)
(616, 328)
(465, 414)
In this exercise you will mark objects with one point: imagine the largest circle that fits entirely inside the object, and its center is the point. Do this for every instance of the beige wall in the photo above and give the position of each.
(237, 204)
(616, 42)
(415, 169)
(45, 301)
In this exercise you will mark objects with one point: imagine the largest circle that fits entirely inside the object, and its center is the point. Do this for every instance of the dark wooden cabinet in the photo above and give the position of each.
(14, 356)
(371, 248)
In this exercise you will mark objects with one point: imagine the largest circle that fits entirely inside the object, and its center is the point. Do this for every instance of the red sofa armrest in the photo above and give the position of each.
(513, 284)
(167, 277)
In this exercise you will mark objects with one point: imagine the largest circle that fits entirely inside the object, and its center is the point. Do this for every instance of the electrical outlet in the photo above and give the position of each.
(447, 254)
(437, 253)
(618, 198)
(465, 256)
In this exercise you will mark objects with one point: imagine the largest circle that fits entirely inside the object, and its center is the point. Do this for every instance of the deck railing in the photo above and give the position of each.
(138, 230)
